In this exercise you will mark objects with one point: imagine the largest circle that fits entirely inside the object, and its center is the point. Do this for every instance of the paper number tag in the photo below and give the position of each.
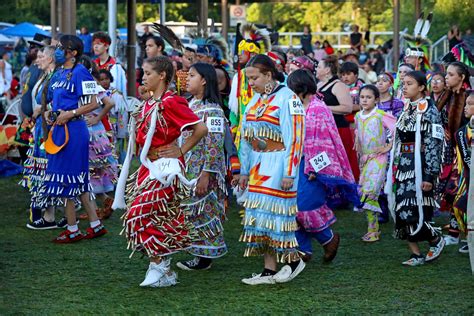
(215, 124)
(319, 162)
(438, 131)
(89, 87)
(296, 108)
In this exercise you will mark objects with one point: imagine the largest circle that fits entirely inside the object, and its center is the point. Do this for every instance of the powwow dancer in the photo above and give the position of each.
(271, 148)
(74, 93)
(155, 222)
(102, 162)
(206, 162)
(35, 165)
(256, 41)
(464, 143)
(414, 168)
(452, 116)
(373, 130)
(315, 216)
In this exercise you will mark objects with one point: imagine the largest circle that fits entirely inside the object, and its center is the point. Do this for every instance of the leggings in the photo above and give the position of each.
(304, 238)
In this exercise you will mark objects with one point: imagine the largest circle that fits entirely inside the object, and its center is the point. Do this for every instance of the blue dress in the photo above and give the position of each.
(270, 212)
(67, 174)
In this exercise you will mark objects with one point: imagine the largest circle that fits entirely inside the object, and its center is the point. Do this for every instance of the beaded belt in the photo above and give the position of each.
(408, 148)
(267, 145)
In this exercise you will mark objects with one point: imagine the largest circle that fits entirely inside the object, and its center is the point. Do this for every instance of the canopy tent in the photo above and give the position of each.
(5, 40)
(24, 29)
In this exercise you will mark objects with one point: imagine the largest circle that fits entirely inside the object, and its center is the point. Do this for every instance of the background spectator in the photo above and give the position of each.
(356, 38)
(86, 39)
(306, 40)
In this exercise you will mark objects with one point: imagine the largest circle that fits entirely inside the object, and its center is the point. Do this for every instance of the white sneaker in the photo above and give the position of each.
(435, 251)
(259, 279)
(155, 272)
(450, 240)
(168, 279)
(286, 275)
(464, 248)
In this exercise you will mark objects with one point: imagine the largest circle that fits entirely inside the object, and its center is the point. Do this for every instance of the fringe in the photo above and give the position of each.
(264, 130)
(283, 255)
(275, 205)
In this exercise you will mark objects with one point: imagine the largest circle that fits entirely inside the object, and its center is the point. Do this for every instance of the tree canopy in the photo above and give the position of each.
(285, 17)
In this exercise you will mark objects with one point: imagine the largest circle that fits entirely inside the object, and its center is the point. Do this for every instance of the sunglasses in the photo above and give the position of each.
(438, 81)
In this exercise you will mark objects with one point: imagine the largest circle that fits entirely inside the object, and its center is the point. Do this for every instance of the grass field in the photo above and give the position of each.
(96, 277)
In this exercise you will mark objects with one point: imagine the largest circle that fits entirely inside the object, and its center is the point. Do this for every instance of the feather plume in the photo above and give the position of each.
(168, 35)
(221, 45)
(259, 35)
(418, 25)
(426, 25)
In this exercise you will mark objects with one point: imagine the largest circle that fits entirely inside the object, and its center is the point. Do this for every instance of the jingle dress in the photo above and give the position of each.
(415, 157)
(119, 117)
(67, 174)
(155, 221)
(208, 213)
(314, 197)
(372, 132)
(35, 166)
(102, 163)
(271, 148)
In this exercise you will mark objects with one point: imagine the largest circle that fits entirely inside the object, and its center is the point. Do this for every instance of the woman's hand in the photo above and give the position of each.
(383, 150)
(286, 184)
(426, 186)
(243, 182)
(235, 180)
(202, 184)
(311, 176)
(64, 117)
(170, 151)
(91, 121)
(47, 117)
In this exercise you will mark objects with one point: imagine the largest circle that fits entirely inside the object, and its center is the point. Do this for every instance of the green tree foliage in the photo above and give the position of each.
(285, 17)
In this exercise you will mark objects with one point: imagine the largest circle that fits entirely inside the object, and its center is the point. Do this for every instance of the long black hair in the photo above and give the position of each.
(302, 81)
(211, 89)
(419, 77)
(72, 42)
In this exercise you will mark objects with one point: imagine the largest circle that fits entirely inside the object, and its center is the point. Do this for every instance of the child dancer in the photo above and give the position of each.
(102, 163)
(373, 127)
(206, 162)
(415, 165)
(118, 115)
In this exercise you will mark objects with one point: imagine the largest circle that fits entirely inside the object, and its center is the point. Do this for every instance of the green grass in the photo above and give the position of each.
(97, 277)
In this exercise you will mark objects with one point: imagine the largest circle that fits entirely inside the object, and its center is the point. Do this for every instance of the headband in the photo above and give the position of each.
(276, 58)
(414, 52)
(387, 75)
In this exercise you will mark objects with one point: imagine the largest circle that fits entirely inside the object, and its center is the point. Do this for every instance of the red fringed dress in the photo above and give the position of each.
(155, 221)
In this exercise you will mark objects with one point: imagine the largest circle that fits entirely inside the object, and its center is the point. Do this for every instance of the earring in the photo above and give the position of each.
(268, 88)
(73, 60)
